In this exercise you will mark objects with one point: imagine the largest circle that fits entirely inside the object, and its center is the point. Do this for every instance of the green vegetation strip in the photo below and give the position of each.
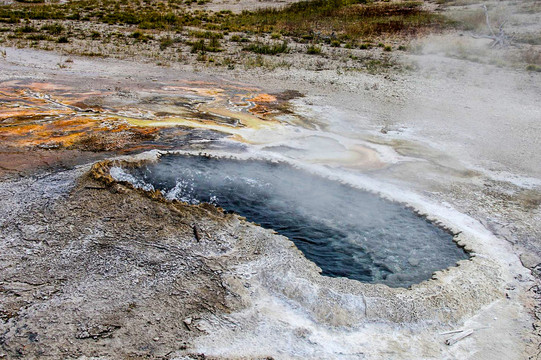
(346, 19)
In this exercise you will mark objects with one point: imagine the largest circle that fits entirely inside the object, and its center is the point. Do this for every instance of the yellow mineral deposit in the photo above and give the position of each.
(199, 91)
(220, 106)
(56, 115)
(263, 98)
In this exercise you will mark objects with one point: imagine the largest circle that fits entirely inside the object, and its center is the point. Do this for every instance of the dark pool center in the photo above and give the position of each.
(347, 232)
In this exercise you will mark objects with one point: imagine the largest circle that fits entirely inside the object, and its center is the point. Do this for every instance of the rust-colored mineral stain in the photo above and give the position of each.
(261, 110)
(56, 140)
(35, 114)
(61, 116)
(10, 132)
(263, 98)
(61, 131)
(54, 121)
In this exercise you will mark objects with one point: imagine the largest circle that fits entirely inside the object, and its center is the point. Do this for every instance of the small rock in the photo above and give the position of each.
(529, 260)
(414, 261)
(187, 321)
(156, 338)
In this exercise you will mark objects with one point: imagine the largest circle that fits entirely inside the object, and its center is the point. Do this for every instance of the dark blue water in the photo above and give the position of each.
(345, 231)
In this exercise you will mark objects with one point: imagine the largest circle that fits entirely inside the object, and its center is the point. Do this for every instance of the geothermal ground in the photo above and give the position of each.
(93, 266)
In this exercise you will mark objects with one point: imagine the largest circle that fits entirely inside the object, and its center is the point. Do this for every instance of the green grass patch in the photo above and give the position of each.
(206, 34)
(313, 50)
(38, 37)
(30, 1)
(145, 14)
(53, 29)
(26, 29)
(202, 46)
(532, 67)
(239, 39)
(348, 19)
(141, 36)
(165, 42)
(267, 49)
(353, 19)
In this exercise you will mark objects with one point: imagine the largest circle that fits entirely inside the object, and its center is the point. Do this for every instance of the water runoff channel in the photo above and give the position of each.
(346, 231)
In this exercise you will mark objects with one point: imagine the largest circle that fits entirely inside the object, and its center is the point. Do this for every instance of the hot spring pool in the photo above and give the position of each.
(347, 232)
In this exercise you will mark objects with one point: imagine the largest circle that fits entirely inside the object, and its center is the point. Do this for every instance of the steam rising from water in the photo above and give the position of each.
(345, 231)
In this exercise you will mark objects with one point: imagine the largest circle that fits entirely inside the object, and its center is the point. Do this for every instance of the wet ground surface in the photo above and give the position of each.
(64, 124)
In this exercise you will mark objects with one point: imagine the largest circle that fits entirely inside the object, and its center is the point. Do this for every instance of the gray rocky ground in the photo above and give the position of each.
(94, 269)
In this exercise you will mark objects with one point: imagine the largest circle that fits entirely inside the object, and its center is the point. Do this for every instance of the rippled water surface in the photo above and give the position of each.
(347, 232)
